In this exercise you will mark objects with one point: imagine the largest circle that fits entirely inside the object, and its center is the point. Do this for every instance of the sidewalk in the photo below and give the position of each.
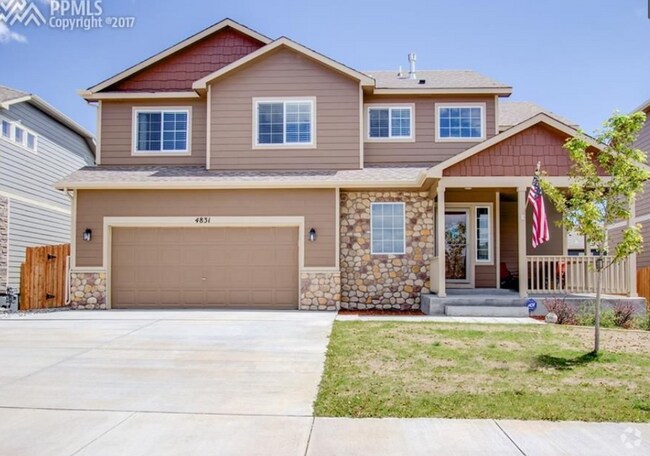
(440, 437)
(441, 319)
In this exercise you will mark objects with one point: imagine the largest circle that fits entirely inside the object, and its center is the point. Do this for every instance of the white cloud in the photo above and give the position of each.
(7, 36)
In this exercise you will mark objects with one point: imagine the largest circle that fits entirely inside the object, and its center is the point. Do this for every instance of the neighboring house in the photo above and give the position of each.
(235, 170)
(38, 146)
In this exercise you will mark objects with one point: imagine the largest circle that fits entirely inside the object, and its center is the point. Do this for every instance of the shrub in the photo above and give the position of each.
(607, 318)
(566, 314)
(623, 314)
(586, 314)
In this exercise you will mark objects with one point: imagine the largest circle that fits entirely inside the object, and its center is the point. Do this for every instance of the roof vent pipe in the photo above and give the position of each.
(412, 59)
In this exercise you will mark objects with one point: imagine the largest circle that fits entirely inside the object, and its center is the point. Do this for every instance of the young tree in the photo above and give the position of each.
(604, 186)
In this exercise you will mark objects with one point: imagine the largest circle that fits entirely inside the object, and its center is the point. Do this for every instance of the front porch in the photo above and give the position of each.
(488, 260)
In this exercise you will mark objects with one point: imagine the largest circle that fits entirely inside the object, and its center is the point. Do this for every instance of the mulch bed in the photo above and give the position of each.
(392, 313)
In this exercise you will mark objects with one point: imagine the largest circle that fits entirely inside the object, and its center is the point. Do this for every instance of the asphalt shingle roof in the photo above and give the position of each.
(198, 175)
(435, 79)
(512, 113)
(8, 94)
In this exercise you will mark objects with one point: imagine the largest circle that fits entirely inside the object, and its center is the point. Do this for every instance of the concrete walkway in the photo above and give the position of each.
(442, 319)
(224, 383)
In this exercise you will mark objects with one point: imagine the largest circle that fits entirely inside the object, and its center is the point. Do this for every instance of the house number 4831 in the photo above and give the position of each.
(202, 220)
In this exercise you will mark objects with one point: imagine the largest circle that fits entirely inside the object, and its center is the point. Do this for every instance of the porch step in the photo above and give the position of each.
(501, 303)
(486, 311)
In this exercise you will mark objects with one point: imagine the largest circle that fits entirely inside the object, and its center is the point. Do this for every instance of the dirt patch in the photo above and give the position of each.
(613, 340)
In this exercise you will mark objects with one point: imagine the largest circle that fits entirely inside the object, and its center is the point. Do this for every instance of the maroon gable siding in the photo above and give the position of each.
(178, 71)
(518, 156)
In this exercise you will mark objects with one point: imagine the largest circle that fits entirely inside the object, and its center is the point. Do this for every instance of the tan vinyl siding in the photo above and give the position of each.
(285, 73)
(317, 206)
(425, 150)
(117, 133)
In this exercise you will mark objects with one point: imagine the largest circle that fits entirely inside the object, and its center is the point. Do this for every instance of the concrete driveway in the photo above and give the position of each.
(159, 382)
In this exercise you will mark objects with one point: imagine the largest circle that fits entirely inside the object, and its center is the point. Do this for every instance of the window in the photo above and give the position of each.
(483, 235)
(387, 225)
(19, 135)
(456, 122)
(6, 129)
(31, 141)
(162, 131)
(390, 122)
(284, 123)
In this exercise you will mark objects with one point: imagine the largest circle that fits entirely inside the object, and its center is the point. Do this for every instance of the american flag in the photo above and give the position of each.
(540, 221)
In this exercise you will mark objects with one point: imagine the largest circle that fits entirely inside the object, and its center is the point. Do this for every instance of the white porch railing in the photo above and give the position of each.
(575, 274)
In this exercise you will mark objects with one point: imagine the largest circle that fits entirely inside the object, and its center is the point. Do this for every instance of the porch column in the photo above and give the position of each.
(631, 260)
(440, 240)
(521, 242)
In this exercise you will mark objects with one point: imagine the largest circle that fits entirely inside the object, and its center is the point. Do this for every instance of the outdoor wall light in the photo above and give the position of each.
(88, 234)
(312, 235)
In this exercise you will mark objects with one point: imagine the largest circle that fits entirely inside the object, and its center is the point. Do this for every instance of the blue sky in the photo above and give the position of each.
(580, 58)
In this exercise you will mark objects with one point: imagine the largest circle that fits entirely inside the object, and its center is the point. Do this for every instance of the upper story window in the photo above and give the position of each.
(162, 131)
(284, 123)
(390, 122)
(387, 228)
(460, 122)
(6, 129)
(19, 135)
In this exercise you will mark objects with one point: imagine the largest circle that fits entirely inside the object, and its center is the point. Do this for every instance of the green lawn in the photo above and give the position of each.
(379, 369)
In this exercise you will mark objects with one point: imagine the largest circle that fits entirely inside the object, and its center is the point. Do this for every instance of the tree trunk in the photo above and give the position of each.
(599, 276)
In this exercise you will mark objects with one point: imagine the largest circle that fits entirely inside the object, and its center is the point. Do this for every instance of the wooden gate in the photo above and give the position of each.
(643, 284)
(43, 277)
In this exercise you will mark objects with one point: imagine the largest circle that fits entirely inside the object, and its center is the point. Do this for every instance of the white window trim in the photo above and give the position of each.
(389, 106)
(383, 203)
(160, 153)
(284, 100)
(490, 260)
(481, 106)
(12, 135)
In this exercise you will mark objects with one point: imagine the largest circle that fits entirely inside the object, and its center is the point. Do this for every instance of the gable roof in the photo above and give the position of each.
(8, 94)
(9, 97)
(437, 171)
(202, 83)
(177, 47)
(437, 81)
(512, 113)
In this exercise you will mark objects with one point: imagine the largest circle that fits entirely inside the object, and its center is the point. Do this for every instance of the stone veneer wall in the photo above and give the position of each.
(88, 290)
(385, 281)
(320, 291)
(4, 244)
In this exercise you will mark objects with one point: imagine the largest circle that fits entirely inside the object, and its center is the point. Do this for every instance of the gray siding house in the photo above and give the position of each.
(38, 146)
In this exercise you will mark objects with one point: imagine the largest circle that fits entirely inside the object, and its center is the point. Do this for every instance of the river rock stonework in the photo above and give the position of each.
(385, 281)
(320, 291)
(4, 235)
(88, 290)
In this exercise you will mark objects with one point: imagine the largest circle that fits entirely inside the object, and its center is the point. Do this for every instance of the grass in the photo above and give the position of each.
(394, 369)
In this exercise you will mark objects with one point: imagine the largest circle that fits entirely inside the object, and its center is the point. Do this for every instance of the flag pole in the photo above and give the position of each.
(538, 172)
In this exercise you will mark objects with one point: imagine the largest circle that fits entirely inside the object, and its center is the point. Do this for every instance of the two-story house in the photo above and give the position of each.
(235, 170)
(38, 146)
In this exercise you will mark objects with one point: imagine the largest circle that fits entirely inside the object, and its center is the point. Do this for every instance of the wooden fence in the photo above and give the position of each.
(43, 277)
(643, 284)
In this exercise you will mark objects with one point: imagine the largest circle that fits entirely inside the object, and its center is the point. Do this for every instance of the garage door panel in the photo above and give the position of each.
(205, 267)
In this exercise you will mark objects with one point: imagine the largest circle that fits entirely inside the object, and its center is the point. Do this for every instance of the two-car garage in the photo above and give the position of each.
(186, 267)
